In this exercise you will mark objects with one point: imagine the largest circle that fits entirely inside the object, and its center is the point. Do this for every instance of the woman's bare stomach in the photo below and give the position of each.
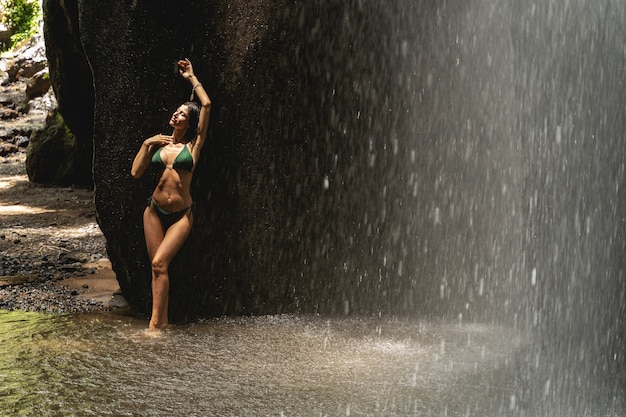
(171, 199)
(172, 192)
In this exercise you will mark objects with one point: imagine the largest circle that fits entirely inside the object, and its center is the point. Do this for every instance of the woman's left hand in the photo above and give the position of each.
(185, 68)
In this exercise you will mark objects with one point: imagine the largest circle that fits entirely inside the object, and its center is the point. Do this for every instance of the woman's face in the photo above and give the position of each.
(180, 118)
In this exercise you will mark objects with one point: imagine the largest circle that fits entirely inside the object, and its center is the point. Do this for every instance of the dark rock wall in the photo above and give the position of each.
(52, 153)
(462, 159)
(343, 173)
(72, 83)
(365, 158)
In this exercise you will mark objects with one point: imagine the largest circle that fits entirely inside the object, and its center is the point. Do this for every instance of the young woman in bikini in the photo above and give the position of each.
(168, 218)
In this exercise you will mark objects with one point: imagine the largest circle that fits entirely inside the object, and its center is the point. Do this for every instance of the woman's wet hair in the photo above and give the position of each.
(194, 118)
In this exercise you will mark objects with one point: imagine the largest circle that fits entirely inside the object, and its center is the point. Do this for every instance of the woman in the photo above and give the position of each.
(168, 218)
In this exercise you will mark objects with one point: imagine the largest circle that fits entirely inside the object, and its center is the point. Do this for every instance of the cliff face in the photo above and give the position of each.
(324, 186)
(241, 53)
(286, 141)
(72, 83)
(361, 158)
(421, 157)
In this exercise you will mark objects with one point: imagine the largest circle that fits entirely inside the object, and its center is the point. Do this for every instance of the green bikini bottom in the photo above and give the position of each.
(167, 218)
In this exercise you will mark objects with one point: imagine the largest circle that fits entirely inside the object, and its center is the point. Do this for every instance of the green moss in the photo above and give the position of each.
(51, 156)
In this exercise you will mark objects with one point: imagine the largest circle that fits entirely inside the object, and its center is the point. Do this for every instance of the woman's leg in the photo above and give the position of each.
(153, 232)
(162, 248)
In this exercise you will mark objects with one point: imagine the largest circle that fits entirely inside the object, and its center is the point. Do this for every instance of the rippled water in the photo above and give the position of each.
(108, 365)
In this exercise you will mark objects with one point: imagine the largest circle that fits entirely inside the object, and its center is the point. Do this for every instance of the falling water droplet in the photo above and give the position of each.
(437, 215)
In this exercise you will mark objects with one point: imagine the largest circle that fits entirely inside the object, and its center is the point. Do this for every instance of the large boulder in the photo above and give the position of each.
(361, 158)
(325, 186)
(52, 155)
(27, 93)
(70, 77)
(462, 159)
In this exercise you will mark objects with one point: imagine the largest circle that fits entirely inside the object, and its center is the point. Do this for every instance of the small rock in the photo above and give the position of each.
(38, 84)
(8, 148)
(74, 257)
(22, 141)
(7, 113)
(72, 267)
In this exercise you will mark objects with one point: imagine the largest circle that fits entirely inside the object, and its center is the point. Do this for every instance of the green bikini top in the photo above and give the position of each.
(184, 160)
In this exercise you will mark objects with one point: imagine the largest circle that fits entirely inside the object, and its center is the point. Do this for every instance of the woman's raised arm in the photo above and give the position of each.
(186, 71)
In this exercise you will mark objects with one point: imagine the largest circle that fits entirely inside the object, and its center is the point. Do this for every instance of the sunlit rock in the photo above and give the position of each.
(38, 84)
(27, 60)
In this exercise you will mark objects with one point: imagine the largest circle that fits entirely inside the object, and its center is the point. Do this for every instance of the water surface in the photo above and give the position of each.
(108, 365)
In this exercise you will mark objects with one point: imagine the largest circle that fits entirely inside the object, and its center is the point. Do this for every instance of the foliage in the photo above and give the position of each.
(21, 17)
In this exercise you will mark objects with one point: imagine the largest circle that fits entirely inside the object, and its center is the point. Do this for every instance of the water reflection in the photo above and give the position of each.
(85, 365)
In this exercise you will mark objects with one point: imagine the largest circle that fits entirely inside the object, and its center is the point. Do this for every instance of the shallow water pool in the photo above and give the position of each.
(108, 365)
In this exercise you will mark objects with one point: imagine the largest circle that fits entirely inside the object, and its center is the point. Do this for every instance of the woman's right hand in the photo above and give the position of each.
(141, 163)
(158, 140)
